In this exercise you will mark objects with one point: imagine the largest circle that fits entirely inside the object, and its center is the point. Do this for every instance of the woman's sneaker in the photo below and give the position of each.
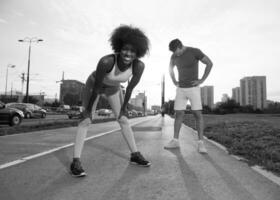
(137, 159)
(76, 168)
(173, 144)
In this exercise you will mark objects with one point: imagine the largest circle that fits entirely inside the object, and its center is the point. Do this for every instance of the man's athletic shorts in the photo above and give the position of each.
(185, 94)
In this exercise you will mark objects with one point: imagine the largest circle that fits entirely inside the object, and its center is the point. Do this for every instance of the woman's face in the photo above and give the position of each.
(128, 53)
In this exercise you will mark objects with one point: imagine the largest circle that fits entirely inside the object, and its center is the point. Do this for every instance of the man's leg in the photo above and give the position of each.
(179, 117)
(195, 99)
(179, 107)
(199, 127)
(199, 123)
(174, 143)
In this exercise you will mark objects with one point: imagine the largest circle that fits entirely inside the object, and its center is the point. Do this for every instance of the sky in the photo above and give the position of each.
(241, 38)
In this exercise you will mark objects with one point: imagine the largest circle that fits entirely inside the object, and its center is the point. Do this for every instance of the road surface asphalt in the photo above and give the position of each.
(35, 166)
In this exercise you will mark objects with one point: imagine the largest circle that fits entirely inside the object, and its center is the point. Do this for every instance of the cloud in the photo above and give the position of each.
(3, 21)
(17, 13)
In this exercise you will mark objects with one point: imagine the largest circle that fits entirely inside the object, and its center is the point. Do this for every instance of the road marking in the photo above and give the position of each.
(24, 159)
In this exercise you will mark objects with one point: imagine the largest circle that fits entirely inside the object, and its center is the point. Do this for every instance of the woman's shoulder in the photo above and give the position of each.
(138, 63)
(138, 66)
(108, 59)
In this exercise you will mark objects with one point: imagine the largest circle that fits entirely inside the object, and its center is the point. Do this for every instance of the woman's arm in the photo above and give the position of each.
(104, 66)
(137, 71)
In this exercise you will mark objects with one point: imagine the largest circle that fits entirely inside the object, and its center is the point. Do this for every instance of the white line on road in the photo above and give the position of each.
(24, 159)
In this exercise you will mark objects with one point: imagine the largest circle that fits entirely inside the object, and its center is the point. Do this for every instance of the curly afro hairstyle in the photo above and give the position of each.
(125, 34)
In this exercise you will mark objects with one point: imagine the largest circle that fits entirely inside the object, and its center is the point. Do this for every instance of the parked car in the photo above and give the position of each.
(29, 109)
(104, 112)
(63, 109)
(11, 116)
(132, 113)
(75, 112)
(140, 114)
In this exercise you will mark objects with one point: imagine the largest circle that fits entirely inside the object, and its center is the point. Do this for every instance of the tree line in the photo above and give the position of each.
(228, 107)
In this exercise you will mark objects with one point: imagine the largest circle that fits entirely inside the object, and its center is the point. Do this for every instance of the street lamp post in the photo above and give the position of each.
(29, 40)
(144, 103)
(11, 66)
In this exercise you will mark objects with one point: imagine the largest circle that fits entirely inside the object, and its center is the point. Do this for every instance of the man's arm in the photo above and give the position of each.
(137, 72)
(205, 60)
(171, 72)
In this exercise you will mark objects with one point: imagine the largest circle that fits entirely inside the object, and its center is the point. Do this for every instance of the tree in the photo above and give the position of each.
(55, 103)
(273, 107)
(206, 109)
(31, 99)
(229, 106)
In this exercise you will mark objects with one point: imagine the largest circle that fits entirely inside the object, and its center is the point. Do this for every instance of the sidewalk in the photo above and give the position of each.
(174, 175)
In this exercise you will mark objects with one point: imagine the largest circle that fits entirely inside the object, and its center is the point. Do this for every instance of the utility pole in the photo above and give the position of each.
(162, 90)
(60, 92)
(22, 81)
(144, 103)
(162, 96)
(29, 40)
(12, 90)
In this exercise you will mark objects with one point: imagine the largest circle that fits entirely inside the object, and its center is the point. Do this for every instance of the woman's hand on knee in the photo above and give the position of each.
(123, 112)
(86, 114)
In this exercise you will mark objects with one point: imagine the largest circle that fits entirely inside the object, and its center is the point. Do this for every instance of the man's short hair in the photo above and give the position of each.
(174, 44)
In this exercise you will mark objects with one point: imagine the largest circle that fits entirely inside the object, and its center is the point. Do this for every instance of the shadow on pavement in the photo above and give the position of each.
(106, 149)
(63, 158)
(120, 189)
(230, 181)
(194, 188)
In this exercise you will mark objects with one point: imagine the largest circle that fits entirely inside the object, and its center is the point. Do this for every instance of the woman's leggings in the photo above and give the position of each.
(115, 100)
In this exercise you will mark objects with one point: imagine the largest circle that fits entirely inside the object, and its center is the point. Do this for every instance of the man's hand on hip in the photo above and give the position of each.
(197, 82)
(176, 83)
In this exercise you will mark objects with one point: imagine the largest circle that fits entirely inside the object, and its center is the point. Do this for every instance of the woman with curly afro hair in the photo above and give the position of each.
(129, 44)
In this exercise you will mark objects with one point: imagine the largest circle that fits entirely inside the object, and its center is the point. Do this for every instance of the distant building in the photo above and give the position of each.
(71, 92)
(140, 101)
(253, 91)
(236, 94)
(156, 107)
(207, 96)
(17, 96)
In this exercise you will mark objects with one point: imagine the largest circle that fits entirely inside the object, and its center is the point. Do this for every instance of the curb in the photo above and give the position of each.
(256, 168)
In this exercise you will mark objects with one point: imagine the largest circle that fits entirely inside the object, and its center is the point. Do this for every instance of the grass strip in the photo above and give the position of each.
(258, 142)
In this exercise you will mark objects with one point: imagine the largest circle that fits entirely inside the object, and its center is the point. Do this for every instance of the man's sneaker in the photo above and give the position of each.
(201, 147)
(137, 159)
(76, 169)
(173, 144)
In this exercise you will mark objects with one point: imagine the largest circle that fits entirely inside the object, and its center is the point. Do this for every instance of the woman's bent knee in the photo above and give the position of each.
(123, 120)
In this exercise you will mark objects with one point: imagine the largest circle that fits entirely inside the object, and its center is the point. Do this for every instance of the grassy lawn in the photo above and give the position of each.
(255, 137)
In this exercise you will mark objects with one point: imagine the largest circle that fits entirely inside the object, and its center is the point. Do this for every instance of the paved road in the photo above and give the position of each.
(174, 175)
